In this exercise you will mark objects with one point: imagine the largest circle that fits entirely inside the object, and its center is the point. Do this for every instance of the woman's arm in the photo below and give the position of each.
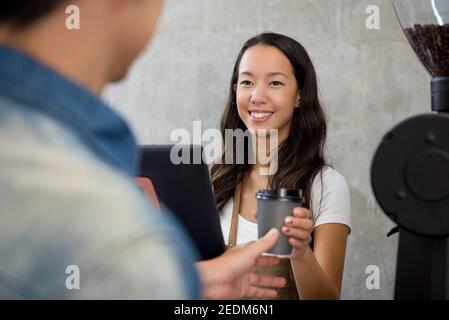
(318, 273)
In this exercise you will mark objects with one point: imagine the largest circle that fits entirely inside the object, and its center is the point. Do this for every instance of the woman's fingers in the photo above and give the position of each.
(294, 242)
(298, 223)
(301, 212)
(300, 234)
(298, 228)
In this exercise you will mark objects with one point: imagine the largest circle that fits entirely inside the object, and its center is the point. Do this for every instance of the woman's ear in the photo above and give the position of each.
(234, 87)
(298, 100)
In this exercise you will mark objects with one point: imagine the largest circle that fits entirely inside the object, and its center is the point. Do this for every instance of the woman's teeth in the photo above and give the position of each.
(261, 115)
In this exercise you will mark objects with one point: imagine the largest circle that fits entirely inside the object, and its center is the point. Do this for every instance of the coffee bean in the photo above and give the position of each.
(431, 44)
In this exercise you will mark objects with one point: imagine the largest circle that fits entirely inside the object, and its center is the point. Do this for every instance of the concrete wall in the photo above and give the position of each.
(369, 81)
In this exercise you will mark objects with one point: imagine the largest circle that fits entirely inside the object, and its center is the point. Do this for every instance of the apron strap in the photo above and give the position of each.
(232, 241)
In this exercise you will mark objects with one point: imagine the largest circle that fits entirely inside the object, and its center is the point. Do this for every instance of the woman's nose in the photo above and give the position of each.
(259, 95)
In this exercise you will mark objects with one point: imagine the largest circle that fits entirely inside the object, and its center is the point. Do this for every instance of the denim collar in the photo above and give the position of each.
(36, 86)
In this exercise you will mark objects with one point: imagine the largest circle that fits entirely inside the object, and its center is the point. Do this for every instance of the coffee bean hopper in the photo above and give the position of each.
(410, 168)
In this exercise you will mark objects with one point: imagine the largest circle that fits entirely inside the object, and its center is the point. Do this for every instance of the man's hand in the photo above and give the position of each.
(229, 276)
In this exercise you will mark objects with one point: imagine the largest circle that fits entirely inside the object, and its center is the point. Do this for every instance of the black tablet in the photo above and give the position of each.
(182, 184)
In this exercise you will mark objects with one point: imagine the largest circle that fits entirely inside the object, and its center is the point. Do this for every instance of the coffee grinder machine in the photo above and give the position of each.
(410, 168)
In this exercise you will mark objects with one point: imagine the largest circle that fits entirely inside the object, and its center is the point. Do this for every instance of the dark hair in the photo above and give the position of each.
(301, 155)
(19, 14)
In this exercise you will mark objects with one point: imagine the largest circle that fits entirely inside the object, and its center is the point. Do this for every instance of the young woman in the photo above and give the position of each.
(274, 86)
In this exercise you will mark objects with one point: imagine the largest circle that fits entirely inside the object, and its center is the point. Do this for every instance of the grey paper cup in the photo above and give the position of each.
(273, 206)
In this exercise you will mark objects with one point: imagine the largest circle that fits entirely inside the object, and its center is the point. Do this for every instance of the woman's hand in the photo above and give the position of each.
(299, 229)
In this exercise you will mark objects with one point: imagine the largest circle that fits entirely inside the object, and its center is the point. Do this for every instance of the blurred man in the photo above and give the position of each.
(72, 223)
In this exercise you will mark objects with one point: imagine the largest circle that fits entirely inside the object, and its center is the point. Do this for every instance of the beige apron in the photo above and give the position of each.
(284, 269)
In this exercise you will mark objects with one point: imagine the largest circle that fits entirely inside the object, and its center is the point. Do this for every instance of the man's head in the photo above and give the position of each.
(20, 14)
(112, 33)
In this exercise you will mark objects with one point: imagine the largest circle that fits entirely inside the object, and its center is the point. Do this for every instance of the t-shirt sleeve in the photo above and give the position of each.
(331, 201)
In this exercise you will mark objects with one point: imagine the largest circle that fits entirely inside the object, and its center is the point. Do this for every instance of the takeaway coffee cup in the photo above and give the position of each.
(273, 206)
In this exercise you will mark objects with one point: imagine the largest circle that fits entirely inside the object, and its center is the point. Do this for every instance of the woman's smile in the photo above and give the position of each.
(260, 116)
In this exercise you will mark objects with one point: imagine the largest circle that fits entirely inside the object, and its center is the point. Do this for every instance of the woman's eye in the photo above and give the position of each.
(245, 83)
(276, 83)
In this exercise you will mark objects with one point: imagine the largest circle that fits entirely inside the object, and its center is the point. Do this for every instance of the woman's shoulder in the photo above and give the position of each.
(330, 197)
(329, 177)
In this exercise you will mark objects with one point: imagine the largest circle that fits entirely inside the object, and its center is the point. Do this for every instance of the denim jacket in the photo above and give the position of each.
(73, 225)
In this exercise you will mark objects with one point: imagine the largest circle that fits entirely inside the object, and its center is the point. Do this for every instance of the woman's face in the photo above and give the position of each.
(267, 91)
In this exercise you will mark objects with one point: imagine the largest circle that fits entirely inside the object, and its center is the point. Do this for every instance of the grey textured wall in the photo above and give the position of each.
(369, 81)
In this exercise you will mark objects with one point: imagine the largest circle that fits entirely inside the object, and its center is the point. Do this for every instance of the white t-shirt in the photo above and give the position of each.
(335, 207)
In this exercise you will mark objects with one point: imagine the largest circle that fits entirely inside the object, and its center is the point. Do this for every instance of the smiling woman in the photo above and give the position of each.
(274, 87)
(267, 92)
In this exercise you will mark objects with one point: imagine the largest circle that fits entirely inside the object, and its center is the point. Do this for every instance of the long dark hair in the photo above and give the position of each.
(301, 154)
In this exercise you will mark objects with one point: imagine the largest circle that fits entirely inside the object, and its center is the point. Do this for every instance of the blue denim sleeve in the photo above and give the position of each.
(185, 250)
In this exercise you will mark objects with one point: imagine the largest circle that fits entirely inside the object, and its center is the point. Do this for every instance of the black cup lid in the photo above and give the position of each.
(281, 194)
